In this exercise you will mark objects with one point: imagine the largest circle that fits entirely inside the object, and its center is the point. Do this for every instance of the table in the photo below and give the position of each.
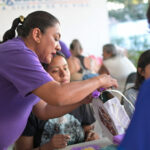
(101, 142)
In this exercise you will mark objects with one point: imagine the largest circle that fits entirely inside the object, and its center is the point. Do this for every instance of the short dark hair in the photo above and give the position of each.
(37, 19)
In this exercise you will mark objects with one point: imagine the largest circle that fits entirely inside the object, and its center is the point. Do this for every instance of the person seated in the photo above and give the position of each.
(118, 66)
(143, 72)
(80, 65)
(59, 132)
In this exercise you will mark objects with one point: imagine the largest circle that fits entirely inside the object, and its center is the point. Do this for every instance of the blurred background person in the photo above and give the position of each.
(143, 72)
(117, 65)
(138, 133)
(79, 64)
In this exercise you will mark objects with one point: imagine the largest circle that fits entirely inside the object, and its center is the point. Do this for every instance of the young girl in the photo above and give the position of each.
(57, 133)
(143, 73)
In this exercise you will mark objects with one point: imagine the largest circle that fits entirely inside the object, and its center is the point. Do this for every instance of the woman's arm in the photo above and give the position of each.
(65, 94)
(24, 143)
(45, 111)
(57, 141)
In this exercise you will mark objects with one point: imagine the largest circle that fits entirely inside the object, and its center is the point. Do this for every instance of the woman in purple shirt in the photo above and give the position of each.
(23, 81)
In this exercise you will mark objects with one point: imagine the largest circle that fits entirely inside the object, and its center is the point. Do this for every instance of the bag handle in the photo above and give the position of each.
(116, 91)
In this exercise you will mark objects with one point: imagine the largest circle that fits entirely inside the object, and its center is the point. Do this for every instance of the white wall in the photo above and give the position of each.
(83, 19)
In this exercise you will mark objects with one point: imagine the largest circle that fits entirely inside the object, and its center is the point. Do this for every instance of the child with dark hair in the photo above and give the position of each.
(143, 73)
(71, 128)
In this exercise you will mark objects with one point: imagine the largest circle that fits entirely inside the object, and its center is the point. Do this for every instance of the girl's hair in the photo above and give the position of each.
(143, 61)
(23, 26)
(148, 14)
(110, 49)
(76, 47)
(45, 66)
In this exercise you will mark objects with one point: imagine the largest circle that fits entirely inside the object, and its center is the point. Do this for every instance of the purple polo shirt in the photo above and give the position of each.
(20, 73)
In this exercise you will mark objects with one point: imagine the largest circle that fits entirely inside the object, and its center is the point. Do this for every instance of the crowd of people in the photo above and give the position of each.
(46, 88)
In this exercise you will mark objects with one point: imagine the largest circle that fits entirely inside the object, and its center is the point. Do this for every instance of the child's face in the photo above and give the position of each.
(59, 70)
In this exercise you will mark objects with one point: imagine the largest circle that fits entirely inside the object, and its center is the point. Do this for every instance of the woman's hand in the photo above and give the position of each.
(59, 141)
(106, 81)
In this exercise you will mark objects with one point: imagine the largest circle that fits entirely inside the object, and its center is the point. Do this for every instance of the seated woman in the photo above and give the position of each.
(119, 66)
(80, 65)
(143, 72)
(59, 132)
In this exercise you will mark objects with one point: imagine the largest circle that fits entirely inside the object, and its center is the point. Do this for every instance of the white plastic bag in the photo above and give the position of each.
(111, 116)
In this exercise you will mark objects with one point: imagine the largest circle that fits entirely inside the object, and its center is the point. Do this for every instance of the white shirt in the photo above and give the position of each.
(119, 68)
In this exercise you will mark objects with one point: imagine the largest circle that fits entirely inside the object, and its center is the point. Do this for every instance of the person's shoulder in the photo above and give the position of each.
(144, 89)
(145, 85)
(144, 94)
(14, 46)
(112, 59)
(13, 43)
(111, 62)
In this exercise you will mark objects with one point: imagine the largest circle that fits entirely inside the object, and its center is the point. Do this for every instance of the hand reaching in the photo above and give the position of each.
(106, 81)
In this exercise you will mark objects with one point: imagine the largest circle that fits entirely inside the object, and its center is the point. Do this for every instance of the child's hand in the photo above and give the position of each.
(59, 141)
(92, 136)
(88, 128)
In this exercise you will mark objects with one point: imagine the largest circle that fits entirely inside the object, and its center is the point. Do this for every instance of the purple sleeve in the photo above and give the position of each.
(24, 71)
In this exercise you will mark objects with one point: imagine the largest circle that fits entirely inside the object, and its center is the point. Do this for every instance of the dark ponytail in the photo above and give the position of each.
(37, 19)
(12, 31)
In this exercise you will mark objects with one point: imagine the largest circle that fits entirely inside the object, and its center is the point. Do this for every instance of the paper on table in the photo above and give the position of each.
(101, 142)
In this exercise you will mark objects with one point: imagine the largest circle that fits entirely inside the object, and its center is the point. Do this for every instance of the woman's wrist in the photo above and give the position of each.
(99, 80)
